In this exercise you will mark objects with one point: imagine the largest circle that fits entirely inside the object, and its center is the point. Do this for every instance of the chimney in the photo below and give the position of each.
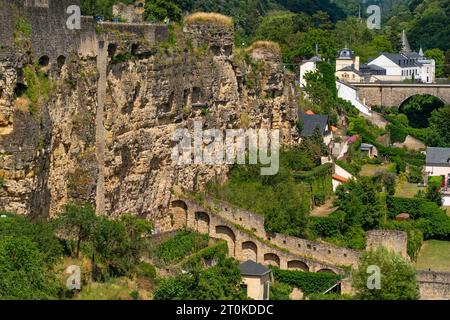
(357, 63)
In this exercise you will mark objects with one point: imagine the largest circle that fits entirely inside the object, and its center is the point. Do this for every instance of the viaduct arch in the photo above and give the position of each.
(394, 94)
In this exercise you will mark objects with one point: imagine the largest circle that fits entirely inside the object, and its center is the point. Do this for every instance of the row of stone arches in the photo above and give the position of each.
(44, 61)
(248, 249)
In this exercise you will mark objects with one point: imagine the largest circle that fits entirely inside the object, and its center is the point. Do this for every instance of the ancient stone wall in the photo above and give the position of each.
(255, 223)
(242, 243)
(391, 239)
(434, 285)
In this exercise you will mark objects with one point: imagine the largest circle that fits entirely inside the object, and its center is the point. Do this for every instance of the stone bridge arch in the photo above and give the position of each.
(297, 265)
(249, 251)
(179, 214)
(272, 259)
(225, 233)
(393, 94)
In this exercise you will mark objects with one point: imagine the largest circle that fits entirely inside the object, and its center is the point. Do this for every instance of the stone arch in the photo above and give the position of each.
(250, 251)
(202, 222)
(112, 48)
(297, 265)
(61, 61)
(44, 61)
(404, 98)
(418, 119)
(134, 48)
(225, 233)
(179, 214)
(326, 270)
(272, 259)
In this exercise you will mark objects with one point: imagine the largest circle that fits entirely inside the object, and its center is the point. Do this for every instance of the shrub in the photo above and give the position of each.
(181, 245)
(146, 270)
(398, 277)
(280, 291)
(308, 282)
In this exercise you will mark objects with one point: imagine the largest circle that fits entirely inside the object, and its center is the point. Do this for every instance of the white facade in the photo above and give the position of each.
(350, 94)
(305, 67)
(392, 69)
(406, 66)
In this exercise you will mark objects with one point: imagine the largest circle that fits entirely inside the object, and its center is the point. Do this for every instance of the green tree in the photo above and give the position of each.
(439, 57)
(25, 274)
(397, 277)
(158, 10)
(433, 192)
(439, 123)
(220, 282)
(77, 221)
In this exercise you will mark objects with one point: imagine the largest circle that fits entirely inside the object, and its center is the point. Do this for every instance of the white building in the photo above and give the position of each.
(438, 165)
(405, 65)
(308, 66)
(350, 93)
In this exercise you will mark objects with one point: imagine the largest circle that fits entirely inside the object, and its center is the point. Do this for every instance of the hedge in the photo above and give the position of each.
(397, 205)
(308, 282)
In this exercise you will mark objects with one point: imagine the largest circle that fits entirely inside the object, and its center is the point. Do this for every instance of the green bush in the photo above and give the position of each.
(397, 205)
(397, 134)
(181, 245)
(280, 291)
(308, 282)
(146, 270)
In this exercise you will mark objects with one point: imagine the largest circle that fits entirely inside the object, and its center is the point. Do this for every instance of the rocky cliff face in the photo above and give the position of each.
(51, 156)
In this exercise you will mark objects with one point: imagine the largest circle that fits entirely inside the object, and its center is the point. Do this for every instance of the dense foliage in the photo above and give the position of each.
(181, 245)
(28, 253)
(308, 282)
(220, 282)
(398, 277)
(285, 198)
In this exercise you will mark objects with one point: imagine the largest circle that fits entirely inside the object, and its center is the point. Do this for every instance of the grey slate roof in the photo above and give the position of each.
(438, 157)
(311, 122)
(251, 268)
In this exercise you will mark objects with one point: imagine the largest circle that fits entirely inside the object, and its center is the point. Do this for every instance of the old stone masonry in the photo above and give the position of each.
(101, 104)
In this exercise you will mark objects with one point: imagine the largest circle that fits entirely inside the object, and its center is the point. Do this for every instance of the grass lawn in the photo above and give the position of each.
(434, 255)
(115, 289)
(369, 170)
(407, 190)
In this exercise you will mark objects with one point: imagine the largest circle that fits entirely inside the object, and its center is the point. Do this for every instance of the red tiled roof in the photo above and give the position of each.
(352, 139)
(339, 178)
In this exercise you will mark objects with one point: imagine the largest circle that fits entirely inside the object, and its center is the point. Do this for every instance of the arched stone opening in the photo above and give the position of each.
(418, 118)
(134, 49)
(326, 270)
(112, 48)
(44, 61)
(202, 222)
(225, 233)
(61, 61)
(297, 265)
(249, 251)
(179, 214)
(272, 259)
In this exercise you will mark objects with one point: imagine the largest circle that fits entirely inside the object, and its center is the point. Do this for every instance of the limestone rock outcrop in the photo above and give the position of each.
(51, 157)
